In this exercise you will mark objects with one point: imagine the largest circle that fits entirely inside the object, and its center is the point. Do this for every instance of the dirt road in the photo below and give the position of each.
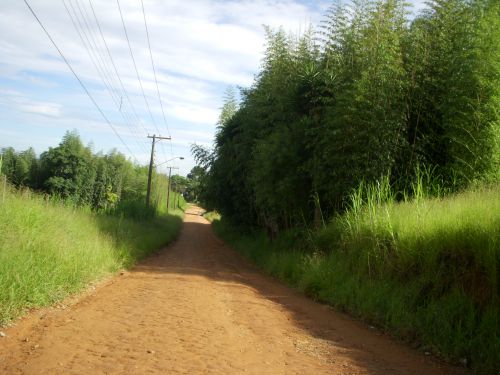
(198, 308)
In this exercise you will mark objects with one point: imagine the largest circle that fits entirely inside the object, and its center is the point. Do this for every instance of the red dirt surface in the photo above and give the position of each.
(197, 307)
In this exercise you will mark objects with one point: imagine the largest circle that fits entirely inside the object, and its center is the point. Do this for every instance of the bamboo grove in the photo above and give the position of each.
(375, 93)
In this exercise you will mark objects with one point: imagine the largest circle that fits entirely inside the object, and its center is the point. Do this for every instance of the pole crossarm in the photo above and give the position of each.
(157, 138)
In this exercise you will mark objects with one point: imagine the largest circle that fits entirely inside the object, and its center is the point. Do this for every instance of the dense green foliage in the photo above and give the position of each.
(71, 171)
(377, 96)
(427, 269)
(386, 125)
(50, 249)
(189, 186)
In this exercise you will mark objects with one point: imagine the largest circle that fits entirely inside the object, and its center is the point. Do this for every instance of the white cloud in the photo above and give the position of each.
(199, 47)
(208, 40)
(194, 113)
(15, 100)
(44, 109)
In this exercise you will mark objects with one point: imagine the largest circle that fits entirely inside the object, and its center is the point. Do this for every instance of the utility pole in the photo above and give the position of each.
(150, 174)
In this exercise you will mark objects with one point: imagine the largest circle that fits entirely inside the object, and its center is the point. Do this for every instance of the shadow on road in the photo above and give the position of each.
(199, 252)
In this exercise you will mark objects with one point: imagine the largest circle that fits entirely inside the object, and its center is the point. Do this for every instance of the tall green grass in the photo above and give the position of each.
(49, 250)
(211, 216)
(426, 269)
(159, 196)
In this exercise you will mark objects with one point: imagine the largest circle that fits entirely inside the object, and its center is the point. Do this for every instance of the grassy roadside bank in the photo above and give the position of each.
(425, 270)
(50, 250)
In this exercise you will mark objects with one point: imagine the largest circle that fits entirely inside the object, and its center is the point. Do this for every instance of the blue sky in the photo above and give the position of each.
(199, 47)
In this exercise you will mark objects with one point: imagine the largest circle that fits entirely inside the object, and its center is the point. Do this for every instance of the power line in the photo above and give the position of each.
(100, 66)
(78, 78)
(114, 67)
(135, 66)
(154, 73)
(137, 71)
(88, 46)
(123, 93)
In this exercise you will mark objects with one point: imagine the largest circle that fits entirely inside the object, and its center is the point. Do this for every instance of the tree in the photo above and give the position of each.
(68, 169)
(20, 167)
(381, 97)
(453, 59)
(194, 183)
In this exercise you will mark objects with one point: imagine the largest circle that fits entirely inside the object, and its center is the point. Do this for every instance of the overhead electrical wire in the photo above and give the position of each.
(93, 55)
(114, 67)
(99, 64)
(111, 77)
(154, 73)
(79, 80)
(121, 92)
(137, 73)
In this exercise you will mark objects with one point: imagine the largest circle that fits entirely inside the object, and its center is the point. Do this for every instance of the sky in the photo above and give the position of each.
(199, 48)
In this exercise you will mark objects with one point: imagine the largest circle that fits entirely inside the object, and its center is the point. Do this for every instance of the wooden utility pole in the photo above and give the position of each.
(156, 138)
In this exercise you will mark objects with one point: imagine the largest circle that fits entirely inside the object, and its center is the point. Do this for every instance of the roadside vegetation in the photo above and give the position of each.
(211, 216)
(74, 230)
(426, 270)
(363, 166)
